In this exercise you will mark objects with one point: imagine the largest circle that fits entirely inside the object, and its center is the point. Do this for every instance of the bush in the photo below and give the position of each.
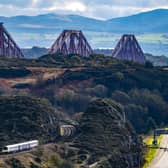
(67, 164)
(23, 118)
(149, 64)
(12, 73)
(74, 102)
(98, 91)
(142, 108)
(15, 163)
(55, 161)
(33, 165)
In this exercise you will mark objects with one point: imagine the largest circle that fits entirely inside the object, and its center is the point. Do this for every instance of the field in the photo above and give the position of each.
(38, 73)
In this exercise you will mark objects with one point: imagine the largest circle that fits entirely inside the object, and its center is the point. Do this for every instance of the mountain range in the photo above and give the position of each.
(148, 22)
(150, 27)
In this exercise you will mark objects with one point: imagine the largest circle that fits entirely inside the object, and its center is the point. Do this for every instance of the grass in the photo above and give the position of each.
(152, 150)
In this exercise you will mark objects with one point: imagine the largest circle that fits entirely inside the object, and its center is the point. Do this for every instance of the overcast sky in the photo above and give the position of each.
(102, 9)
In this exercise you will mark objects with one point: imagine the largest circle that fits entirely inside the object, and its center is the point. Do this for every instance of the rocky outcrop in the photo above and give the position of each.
(106, 138)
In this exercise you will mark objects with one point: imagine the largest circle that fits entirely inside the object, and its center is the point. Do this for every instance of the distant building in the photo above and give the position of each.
(8, 47)
(71, 42)
(129, 49)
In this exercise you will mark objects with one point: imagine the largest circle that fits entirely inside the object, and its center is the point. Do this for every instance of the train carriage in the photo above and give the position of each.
(20, 146)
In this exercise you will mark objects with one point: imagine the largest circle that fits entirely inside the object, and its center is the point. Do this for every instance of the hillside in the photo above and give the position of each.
(102, 122)
(157, 60)
(94, 92)
(100, 76)
(152, 21)
(106, 138)
(37, 52)
(42, 23)
(34, 52)
(25, 118)
(47, 156)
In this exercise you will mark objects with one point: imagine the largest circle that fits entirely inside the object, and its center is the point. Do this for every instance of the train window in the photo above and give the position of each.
(5, 148)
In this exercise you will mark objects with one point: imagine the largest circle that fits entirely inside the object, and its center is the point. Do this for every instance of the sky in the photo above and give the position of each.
(100, 9)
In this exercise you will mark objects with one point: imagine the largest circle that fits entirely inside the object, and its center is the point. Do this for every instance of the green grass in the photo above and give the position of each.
(151, 151)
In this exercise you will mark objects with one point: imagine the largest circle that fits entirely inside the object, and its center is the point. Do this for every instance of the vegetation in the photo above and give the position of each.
(14, 72)
(105, 134)
(138, 88)
(48, 156)
(13, 162)
(24, 118)
(55, 161)
(138, 92)
(142, 108)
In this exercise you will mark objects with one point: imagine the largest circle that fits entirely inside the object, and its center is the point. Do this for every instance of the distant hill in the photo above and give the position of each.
(150, 29)
(155, 60)
(51, 23)
(34, 52)
(152, 21)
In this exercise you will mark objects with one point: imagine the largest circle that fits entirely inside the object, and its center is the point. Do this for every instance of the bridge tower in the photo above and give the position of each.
(8, 47)
(129, 49)
(71, 42)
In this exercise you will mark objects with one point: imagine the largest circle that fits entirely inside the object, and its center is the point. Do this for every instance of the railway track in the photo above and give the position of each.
(16, 153)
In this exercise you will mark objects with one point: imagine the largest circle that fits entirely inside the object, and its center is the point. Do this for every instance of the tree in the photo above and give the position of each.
(98, 91)
(148, 64)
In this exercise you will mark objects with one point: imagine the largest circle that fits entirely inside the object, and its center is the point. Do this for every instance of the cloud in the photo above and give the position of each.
(17, 3)
(34, 26)
(98, 8)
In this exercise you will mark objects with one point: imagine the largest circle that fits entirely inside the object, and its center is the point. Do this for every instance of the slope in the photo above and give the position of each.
(106, 138)
(26, 118)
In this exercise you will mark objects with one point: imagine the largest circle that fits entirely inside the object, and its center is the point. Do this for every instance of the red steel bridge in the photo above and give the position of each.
(71, 42)
(8, 47)
(129, 49)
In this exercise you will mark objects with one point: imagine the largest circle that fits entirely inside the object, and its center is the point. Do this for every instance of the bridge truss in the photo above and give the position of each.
(8, 46)
(71, 42)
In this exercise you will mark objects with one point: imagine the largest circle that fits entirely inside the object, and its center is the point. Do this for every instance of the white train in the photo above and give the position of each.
(20, 146)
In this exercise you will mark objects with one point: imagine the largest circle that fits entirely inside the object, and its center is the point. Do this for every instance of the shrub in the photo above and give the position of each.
(13, 162)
